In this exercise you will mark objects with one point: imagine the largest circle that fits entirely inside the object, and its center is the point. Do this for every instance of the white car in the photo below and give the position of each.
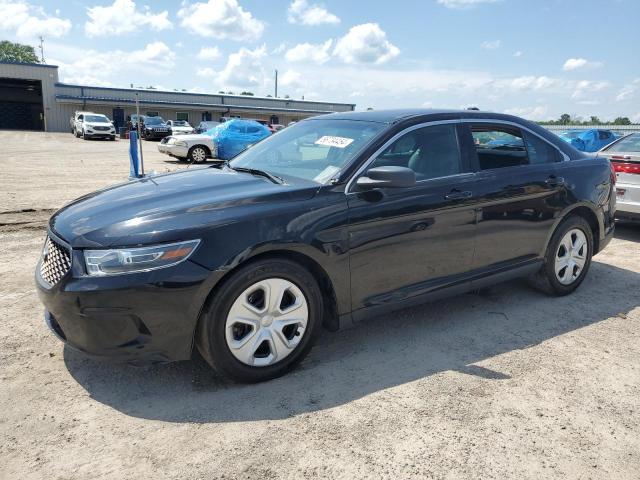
(624, 155)
(93, 125)
(192, 148)
(180, 127)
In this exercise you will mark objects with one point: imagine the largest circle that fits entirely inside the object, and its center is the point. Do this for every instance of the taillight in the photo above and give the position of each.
(626, 167)
(613, 173)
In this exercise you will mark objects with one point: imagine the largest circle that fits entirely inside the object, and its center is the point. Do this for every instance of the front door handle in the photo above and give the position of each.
(456, 194)
(554, 181)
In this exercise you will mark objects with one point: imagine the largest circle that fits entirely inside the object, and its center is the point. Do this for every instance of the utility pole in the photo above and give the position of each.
(42, 49)
(276, 92)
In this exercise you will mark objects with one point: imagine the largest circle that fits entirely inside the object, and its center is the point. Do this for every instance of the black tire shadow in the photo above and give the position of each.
(408, 345)
(628, 231)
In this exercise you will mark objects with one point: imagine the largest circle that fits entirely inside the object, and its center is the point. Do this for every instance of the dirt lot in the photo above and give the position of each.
(505, 384)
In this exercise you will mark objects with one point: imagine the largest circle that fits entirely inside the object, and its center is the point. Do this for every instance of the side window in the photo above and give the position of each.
(603, 135)
(498, 146)
(540, 151)
(80, 117)
(431, 152)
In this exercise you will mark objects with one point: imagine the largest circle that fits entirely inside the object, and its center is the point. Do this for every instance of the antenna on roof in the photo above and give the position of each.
(42, 49)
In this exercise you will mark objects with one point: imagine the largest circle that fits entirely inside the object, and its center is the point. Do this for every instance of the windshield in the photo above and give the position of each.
(96, 118)
(627, 144)
(153, 121)
(314, 150)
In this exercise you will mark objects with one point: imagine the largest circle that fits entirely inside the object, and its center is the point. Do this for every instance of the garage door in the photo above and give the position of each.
(21, 104)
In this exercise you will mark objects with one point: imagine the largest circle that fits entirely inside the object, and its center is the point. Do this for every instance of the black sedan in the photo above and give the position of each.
(332, 221)
(154, 128)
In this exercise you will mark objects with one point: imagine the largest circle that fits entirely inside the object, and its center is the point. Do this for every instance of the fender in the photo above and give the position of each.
(598, 234)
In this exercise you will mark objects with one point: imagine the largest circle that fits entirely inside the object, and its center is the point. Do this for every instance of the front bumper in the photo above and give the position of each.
(137, 318)
(95, 134)
(173, 150)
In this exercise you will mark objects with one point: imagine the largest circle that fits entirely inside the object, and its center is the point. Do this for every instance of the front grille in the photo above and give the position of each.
(103, 129)
(55, 263)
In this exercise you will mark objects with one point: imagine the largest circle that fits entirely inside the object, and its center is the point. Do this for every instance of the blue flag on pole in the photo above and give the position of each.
(134, 159)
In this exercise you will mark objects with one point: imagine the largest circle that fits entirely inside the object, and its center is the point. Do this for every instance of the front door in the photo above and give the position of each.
(520, 192)
(118, 118)
(406, 243)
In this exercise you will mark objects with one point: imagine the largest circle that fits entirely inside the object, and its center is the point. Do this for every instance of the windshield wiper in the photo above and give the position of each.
(262, 173)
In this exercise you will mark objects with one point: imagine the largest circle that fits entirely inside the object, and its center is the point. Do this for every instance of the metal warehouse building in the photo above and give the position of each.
(32, 98)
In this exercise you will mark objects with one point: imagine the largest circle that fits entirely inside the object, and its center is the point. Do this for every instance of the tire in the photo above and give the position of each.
(84, 136)
(576, 230)
(76, 133)
(217, 331)
(197, 154)
(112, 138)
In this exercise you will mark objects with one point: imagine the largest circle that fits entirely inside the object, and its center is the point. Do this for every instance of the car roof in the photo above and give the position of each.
(432, 114)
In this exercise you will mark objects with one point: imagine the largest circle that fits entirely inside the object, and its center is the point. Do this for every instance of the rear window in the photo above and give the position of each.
(627, 144)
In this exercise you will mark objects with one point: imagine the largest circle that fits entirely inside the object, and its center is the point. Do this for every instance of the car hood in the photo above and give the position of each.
(151, 127)
(170, 207)
(98, 124)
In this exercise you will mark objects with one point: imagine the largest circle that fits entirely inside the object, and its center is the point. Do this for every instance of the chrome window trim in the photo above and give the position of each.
(386, 144)
(565, 157)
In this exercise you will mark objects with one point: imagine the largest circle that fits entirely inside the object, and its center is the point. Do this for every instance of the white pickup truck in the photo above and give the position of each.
(92, 125)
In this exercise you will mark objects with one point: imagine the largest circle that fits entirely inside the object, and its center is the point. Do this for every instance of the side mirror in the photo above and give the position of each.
(387, 177)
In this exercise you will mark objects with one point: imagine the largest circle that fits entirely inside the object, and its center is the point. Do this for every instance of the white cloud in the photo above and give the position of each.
(365, 43)
(307, 52)
(301, 12)
(490, 44)
(122, 17)
(585, 88)
(528, 82)
(206, 72)
(629, 91)
(576, 63)
(117, 66)
(636, 118)
(531, 113)
(209, 53)
(517, 54)
(220, 19)
(244, 69)
(459, 4)
(291, 78)
(28, 21)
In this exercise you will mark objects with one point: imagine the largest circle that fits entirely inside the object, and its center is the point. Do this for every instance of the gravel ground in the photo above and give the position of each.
(508, 383)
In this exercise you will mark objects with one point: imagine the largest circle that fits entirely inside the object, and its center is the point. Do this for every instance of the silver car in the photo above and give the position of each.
(624, 155)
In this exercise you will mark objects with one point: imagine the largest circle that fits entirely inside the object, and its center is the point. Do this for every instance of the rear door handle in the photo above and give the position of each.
(554, 181)
(457, 194)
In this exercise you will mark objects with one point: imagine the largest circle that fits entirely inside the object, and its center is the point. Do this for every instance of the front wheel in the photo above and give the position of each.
(568, 257)
(84, 135)
(197, 154)
(261, 322)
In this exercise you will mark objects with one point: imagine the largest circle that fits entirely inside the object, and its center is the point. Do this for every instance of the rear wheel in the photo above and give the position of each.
(262, 322)
(197, 154)
(568, 257)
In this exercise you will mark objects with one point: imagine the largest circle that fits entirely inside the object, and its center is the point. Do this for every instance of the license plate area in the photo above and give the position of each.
(620, 192)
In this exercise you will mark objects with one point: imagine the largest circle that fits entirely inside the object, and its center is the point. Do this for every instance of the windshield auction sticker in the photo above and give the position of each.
(338, 142)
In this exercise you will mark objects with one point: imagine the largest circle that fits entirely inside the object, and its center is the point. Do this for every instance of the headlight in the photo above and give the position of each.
(101, 263)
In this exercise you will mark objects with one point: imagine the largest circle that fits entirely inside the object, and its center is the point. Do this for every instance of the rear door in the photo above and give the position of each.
(519, 193)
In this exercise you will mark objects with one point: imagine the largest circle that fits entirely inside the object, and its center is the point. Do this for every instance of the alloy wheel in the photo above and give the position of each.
(571, 256)
(198, 154)
(266, 322)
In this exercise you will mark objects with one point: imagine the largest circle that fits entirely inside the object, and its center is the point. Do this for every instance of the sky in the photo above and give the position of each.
(536, 59)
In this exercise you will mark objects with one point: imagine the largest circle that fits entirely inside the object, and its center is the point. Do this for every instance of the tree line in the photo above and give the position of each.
(566, 119)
